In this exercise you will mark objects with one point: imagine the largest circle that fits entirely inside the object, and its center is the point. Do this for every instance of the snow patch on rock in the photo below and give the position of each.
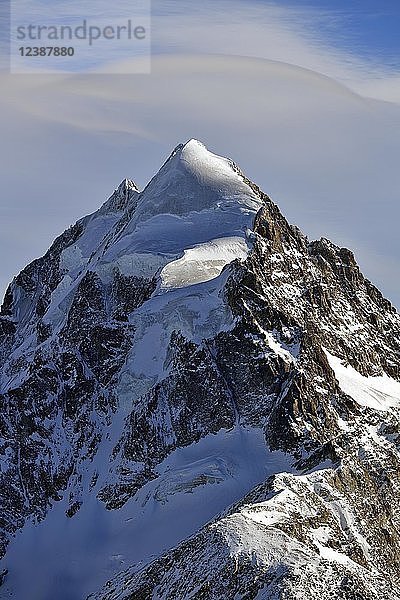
(203, 262)
(380, 393)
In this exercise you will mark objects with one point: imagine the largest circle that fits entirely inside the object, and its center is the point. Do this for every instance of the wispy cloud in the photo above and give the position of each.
(275, 31)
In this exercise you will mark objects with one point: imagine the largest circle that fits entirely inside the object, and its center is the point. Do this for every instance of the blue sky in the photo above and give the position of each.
(305, 97)
(369, 28)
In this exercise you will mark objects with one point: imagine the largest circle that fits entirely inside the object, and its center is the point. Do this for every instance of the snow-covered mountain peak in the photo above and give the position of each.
(122, 197)
(206, 167)
(125, 186)
(184, 351)
(195, 156)
(190, 221)
(192, 144)
(194, 179)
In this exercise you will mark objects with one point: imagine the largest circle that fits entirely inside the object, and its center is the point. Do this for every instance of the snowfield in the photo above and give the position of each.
(203, 262)
(380, 393)
(69, 558)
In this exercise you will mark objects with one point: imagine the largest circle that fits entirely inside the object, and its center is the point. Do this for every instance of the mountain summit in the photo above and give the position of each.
(198, 402)
(194, 179)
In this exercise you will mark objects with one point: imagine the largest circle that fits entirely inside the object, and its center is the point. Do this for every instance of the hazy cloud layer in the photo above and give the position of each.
(282, 30)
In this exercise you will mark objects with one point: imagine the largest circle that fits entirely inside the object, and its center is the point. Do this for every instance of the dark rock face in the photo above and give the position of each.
(128, 293)
(329, 529)
(53, 406)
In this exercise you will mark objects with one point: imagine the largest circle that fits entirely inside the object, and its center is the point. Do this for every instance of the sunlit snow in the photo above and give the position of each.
(380, 393)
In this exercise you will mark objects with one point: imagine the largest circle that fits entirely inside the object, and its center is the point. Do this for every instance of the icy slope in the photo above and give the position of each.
(68, 558)
(192, 180)
(379, 392)
(192, 219)
(203, 262)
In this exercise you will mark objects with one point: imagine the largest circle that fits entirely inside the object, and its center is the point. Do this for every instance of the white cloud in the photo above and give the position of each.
(273, 31)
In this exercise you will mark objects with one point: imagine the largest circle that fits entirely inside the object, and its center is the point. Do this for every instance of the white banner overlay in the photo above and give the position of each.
(71, 36)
